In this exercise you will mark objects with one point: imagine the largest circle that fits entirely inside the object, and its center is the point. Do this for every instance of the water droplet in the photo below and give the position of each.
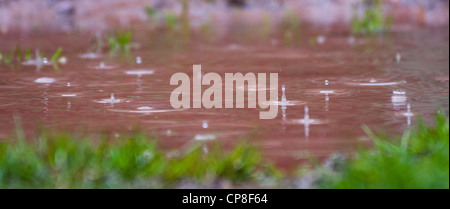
(205, 124)
(321, 39)
(138, 60)
(205, 149)
(398, 57)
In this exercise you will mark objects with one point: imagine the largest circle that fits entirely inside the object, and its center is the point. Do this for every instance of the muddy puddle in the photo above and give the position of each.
(344, 85)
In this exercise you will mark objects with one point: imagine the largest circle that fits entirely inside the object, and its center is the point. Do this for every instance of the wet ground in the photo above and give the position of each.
(346, 82)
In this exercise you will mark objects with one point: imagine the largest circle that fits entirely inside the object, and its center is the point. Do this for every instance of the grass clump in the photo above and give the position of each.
(372, 21)
(419, 161)
(120, 42)
(64, 161)
(290, 26)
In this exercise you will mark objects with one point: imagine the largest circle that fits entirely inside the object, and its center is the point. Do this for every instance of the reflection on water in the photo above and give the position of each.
(327, 92)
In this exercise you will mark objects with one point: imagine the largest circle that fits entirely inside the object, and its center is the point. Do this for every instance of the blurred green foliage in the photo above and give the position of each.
(290, 26)
(120, 42)
(372, 21)
(63, 161)
(419, 161)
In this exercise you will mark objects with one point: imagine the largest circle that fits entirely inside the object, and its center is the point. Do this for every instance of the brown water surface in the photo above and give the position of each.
(362, 74)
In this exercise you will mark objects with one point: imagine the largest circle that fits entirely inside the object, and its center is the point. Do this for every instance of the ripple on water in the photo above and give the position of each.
(307, 121)
(139, 72)
(90, 55)
(103, 66)
(45, 80)
(68, 95)
(375, 82)
(205, 137)
(286, 103)
(326, 92)
(145, 110)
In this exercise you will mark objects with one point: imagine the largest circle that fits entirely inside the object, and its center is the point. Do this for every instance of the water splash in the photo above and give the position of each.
(399, 92)
(398, 99)
(112, 100)
(307, 121)
(38, 61)
(103, 66)
(284, 102)
(408, 114)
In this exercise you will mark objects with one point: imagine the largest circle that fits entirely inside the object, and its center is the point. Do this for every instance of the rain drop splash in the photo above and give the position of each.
(284, 102)
(38, 62)
(283, 96)
(408, 114)
(307, 121)
(398, 99)
(103, 66)
(399, 92)
(306, 113)
(112, 100)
